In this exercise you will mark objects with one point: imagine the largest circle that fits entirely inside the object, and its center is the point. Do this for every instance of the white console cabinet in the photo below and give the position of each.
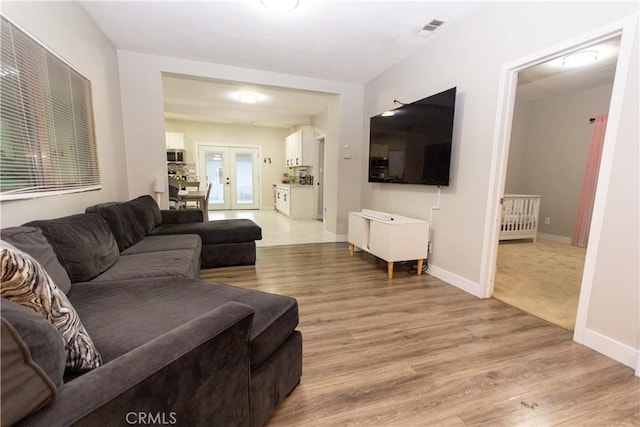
(389, 237)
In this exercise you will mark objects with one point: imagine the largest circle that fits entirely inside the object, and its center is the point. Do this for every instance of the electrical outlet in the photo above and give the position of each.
(547, 220)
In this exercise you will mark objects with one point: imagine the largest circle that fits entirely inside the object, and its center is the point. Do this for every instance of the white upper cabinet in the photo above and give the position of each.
(300, 148)
(175, 140)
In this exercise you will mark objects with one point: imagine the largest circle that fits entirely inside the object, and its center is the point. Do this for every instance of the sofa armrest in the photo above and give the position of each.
(195, 374)
(179, 216)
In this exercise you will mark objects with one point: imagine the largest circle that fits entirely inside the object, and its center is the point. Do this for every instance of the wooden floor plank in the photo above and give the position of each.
(414, 350)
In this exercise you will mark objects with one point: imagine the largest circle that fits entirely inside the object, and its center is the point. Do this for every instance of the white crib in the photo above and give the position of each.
(519, 216)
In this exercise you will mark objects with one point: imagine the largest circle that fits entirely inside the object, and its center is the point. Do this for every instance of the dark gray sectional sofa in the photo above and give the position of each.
(174, 348)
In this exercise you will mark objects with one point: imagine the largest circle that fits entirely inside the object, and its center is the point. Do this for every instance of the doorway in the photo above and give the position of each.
(548, 149)
(506, 97)
(233, 173)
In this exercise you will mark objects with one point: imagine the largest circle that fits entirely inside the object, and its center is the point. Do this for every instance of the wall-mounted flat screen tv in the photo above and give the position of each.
(413, 145)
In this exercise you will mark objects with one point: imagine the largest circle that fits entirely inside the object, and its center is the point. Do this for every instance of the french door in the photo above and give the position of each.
(233, 175)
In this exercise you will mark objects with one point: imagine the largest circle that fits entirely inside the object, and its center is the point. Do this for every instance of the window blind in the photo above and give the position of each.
(47, 134)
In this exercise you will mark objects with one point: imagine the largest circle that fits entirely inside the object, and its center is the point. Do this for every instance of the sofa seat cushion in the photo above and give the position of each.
(214, 232)
(178, 262)
(166, 243)
(132, 312)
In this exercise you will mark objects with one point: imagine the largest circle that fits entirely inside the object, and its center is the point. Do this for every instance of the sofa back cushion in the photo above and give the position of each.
(146, 211)
(83, 243)
(129, 221)
(32, 241)
(123, 223)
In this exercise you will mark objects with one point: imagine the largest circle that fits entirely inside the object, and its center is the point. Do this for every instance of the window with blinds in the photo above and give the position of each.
(47, 135)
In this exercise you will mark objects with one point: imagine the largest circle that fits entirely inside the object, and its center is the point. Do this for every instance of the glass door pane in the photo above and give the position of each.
(214, 170)
(244, 178)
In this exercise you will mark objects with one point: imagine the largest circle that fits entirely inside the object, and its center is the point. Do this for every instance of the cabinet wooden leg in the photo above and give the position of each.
(351, 249)
(420, 261)
(390, 269)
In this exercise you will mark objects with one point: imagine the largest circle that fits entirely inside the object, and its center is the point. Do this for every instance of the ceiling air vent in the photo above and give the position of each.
(429, 28)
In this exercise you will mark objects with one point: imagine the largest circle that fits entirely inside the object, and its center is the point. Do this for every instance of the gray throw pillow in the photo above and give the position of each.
(43, 340)
(24, 387)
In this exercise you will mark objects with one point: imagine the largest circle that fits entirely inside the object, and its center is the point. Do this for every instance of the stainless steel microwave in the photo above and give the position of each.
(175, 156)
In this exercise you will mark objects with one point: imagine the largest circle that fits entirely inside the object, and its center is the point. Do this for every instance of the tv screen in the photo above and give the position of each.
(413, 145)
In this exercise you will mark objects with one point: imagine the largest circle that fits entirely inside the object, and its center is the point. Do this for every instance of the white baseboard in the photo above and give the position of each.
(459, 282)
(611, 348)
(554, 237)
(340, 237)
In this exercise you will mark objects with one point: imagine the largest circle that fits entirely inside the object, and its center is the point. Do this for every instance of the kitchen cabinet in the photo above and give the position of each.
(174, 140)
(300, 148)
(283, 199)
(295, 201)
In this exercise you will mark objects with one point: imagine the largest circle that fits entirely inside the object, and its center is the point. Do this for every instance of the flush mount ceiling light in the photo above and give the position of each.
(248, 98)
(280, 6)
(579, 59)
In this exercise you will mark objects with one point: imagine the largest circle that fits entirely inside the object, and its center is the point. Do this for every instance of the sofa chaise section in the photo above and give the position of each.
(224, 242)
(195, 374)
(275, 357)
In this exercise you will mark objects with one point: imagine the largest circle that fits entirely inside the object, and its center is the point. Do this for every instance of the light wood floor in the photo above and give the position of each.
(541, 278)
(415, 351)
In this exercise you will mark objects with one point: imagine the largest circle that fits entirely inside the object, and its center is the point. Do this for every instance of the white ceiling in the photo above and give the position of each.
(331, 39)
(189, 98)
(553, 79)
(337, 40)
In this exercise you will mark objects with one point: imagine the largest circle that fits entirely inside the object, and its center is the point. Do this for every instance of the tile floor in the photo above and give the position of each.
(278, 229)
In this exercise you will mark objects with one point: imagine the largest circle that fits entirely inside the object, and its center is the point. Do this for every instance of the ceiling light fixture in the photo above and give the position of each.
(579, 59)
(280, 6)
(248, 98)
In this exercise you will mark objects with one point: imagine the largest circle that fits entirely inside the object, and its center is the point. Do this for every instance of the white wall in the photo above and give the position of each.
(65, 28)
(550, 156)
(270, 140)
(470, 55)
(142, 104)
